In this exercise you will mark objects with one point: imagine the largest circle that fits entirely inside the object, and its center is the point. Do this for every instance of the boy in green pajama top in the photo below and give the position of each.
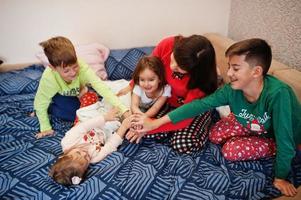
(62, 82)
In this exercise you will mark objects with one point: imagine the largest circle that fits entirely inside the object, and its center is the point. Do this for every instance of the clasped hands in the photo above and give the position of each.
(140, 124)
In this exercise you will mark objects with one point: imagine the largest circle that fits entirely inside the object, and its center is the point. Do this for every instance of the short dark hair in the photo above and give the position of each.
(257, 51)
(154, 64)
(59, 51)
(195, 54)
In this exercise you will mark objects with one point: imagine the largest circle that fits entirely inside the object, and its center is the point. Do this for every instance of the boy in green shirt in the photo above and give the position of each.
(61, 84)
(265, 118)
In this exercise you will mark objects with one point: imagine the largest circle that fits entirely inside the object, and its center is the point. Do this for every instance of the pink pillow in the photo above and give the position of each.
(93, 54)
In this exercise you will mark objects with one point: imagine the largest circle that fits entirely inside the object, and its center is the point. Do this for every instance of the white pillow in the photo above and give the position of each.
(93, 54)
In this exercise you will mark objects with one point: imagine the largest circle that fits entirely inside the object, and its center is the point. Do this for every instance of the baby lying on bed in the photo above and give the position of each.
(86, 143)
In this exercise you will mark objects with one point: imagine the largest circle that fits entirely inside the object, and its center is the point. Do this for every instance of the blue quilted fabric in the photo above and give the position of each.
(21, 81)
(136, 171)
(121, 63)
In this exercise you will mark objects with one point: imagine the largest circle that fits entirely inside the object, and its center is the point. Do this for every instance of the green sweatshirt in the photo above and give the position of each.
(51, 83)
(276, 114)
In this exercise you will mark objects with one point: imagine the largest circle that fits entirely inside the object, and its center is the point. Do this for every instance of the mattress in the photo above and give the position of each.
(148, 170)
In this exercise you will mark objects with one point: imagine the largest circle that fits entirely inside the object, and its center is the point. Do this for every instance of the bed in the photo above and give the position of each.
(147, 170)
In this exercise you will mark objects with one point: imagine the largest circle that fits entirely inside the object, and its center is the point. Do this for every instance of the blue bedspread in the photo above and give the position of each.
(146, 171)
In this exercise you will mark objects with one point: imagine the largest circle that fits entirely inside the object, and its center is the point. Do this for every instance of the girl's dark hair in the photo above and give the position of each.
(195, 54)
(154, 64)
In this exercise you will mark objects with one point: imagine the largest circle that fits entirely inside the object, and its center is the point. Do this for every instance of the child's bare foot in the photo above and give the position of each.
(44, 134)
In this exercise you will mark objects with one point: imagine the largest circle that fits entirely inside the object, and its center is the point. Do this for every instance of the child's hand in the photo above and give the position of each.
(44, 134)
(126, 114)
(83, 90)
(285, 187)
(126, 123)
(139, 112)
(144, 123)
(112, 115)
(134, 136)
(124, 91)
(33, 114)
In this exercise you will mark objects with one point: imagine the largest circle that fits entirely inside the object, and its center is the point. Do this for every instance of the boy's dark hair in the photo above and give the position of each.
(152, 63)
(64, 169)
(195, 54)
(59, 51)
(257, 51)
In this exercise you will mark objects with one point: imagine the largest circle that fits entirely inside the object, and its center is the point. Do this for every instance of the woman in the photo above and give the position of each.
(190, 70)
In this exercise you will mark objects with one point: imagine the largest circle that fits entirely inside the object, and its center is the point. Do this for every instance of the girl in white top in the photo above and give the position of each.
(151, 89)
(85, 143)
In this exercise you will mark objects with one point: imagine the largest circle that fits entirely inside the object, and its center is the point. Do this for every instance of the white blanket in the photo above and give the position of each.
(101, 107)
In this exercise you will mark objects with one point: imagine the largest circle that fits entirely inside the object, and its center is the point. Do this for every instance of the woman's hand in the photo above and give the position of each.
(285, 187)
(148, 124)
(141, 124)
(134, 136)
(124, 91)
(44, 134)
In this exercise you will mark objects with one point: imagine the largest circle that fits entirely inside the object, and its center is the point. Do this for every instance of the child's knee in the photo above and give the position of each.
(229, 153)
(215, 135)
(248, 148)
(235, 151)
(225, 129)
(238, 149)
(219, 133)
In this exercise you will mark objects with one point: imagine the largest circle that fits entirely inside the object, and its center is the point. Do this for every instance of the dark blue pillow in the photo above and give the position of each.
(121, 63)
(21, 81)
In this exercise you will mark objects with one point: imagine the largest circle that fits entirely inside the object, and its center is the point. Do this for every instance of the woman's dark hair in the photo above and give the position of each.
(195, 54)
(154, 64)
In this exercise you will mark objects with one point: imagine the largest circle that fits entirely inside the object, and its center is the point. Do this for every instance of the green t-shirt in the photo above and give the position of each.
(276, 114)
(51, 83)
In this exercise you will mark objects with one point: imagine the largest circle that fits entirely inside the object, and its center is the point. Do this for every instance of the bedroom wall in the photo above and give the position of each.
(115, 23)
(277, 21)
